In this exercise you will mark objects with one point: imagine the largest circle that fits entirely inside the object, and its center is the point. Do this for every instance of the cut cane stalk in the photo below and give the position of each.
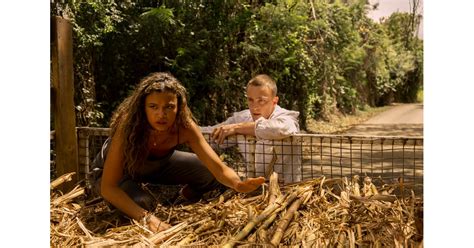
(285, 221)
(387, 198)
(262, 230)
(359, 232)
(270, 166)
(164, 235)
(255, 221)
(77, 191)
(62, 179)
(205, 227)
(274, 188)
(188, 239)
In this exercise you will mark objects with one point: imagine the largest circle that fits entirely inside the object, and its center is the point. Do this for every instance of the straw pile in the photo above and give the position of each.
(316, 213)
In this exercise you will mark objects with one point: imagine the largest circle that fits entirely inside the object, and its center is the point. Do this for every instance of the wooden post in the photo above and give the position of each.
(63, 99)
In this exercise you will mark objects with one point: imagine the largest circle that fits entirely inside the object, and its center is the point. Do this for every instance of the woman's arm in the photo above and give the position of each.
(110, 190)
(223, 173)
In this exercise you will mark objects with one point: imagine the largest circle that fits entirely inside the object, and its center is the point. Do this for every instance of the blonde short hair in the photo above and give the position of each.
(264, 80)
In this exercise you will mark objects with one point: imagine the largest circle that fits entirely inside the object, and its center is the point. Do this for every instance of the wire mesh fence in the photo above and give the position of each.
(385, 159)
(300, 157)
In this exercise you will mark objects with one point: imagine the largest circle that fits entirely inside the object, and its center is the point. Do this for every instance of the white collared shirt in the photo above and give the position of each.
(281, 124)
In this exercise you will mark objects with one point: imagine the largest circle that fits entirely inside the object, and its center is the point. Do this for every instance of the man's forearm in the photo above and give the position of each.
(245, 128)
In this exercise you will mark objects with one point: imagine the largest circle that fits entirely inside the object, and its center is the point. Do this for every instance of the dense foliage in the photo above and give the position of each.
(327, 57)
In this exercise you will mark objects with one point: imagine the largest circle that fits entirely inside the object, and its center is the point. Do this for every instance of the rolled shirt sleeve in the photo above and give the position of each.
(281, 124)
(237, 117)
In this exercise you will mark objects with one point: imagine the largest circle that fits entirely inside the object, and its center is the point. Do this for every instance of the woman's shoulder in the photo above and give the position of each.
(186, 132)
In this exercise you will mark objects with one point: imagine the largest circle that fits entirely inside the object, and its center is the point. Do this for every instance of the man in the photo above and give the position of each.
(266, 121)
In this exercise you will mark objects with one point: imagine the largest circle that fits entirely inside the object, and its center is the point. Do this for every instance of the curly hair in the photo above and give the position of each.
(129, 120)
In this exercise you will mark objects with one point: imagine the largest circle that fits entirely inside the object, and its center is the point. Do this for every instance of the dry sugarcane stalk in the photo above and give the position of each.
(369, 188)
(205, 227)
(359, 232)
(84, 229)
(224, 197)
(262, 235)
(255, 221)
(221, 222)
(252, 238)
(311, 182)
(269, 169)
(309, 241)
(262, 230)
(344, 200)
(292, 230)
(346, 186)
(286, 219)
(103, 243)
(77, 191)
(322, 191)
(62, 179)
(387, 198)
(351, 236)
(191, 237)
(164, 235)
(355, 185)
(330, 182)
(342, 240)
(374, 189)
(273, 188)
(250, 199)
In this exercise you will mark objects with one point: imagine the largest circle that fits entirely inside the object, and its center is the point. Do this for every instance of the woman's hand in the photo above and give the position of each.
(156, 225)
(249, 185)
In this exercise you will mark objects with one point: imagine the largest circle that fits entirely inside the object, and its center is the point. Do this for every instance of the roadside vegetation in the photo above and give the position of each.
(419, 96)
(340, 123)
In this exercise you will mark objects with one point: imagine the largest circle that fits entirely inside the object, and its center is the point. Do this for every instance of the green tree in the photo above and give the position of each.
(328, 57)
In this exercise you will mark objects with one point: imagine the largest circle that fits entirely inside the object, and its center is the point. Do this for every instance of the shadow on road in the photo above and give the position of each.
(404, 130)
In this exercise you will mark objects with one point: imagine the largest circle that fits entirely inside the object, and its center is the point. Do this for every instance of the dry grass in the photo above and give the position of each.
(316, 213)
(340, 123)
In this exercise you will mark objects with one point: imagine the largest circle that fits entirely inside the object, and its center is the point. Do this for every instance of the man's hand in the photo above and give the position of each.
(156, 225)
(220, 133)
(249, 185)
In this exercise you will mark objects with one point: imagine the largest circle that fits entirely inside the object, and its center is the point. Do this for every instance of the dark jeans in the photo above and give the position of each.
(175, 168)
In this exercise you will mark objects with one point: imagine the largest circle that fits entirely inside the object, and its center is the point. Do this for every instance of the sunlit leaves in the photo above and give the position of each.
(326, 56)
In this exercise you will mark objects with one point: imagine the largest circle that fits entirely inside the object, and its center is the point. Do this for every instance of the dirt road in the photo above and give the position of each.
(399, 120)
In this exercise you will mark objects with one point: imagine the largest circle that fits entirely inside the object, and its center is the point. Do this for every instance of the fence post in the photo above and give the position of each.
(63, 99)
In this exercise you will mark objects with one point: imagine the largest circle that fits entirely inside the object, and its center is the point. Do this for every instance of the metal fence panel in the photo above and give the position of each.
(385, 159)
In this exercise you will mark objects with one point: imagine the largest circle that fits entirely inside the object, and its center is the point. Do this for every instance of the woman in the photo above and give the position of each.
(145, 130)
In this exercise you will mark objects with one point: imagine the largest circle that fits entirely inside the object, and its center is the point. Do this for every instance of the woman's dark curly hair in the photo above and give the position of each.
(130, 121)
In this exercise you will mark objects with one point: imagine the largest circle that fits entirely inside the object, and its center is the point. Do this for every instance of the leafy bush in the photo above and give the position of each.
(327, 58)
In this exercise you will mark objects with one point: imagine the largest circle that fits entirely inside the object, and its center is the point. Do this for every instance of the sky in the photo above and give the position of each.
(387, 7)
